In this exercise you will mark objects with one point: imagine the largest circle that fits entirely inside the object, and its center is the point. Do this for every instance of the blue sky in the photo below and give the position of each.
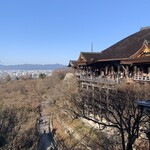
(55, 31)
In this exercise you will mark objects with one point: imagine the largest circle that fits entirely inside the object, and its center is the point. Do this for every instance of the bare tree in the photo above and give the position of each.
(116, 107)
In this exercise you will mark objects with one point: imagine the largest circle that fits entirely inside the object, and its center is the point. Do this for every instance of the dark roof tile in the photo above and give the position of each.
(128, 46)
(91, 56)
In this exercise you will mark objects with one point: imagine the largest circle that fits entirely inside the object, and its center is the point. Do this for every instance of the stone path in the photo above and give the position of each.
(46, 136)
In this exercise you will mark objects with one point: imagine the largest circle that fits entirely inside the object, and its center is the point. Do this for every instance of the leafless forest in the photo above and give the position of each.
(75, 113)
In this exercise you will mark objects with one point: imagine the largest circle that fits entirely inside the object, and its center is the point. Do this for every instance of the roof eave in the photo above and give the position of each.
(114, 59)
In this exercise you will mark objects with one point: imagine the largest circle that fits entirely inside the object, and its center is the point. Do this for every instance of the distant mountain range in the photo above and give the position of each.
(33, 67)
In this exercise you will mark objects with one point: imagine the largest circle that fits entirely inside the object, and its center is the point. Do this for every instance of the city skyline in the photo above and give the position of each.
(55, 31)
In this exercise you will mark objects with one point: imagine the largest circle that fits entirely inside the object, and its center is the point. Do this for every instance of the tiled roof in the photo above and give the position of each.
(122, 50)
(72, 63)
(126, 47)
(144, 59)
(90, 56)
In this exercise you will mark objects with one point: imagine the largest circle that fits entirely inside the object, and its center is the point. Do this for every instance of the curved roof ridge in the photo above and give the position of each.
(91, 52)
(143, 28)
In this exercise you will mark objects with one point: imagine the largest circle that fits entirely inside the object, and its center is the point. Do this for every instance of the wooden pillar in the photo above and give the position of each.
(93, 102)
(135, 70)
(118, 69)
(112, 72)
(138, 71)
(118, 74)
(112, 68)
(87, 87)
(127, 74)
(148, 71)
(106, 70)
(107, 97)
(127, 69)
(100, 107)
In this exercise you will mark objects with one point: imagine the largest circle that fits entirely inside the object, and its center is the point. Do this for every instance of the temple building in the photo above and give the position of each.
(127, 60)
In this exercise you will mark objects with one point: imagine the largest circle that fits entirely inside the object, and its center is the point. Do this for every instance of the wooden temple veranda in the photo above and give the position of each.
(126, 61)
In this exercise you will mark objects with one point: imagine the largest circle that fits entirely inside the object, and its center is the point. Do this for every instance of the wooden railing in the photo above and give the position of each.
(77, 73)
(142, 78)
(99, 80)
(109, 80)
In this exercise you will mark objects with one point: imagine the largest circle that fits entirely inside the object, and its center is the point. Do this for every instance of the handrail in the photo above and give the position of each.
(99, 79)
(141, 78)
(105, 79)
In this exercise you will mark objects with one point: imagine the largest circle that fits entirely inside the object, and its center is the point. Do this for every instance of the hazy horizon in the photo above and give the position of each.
(31, 64)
